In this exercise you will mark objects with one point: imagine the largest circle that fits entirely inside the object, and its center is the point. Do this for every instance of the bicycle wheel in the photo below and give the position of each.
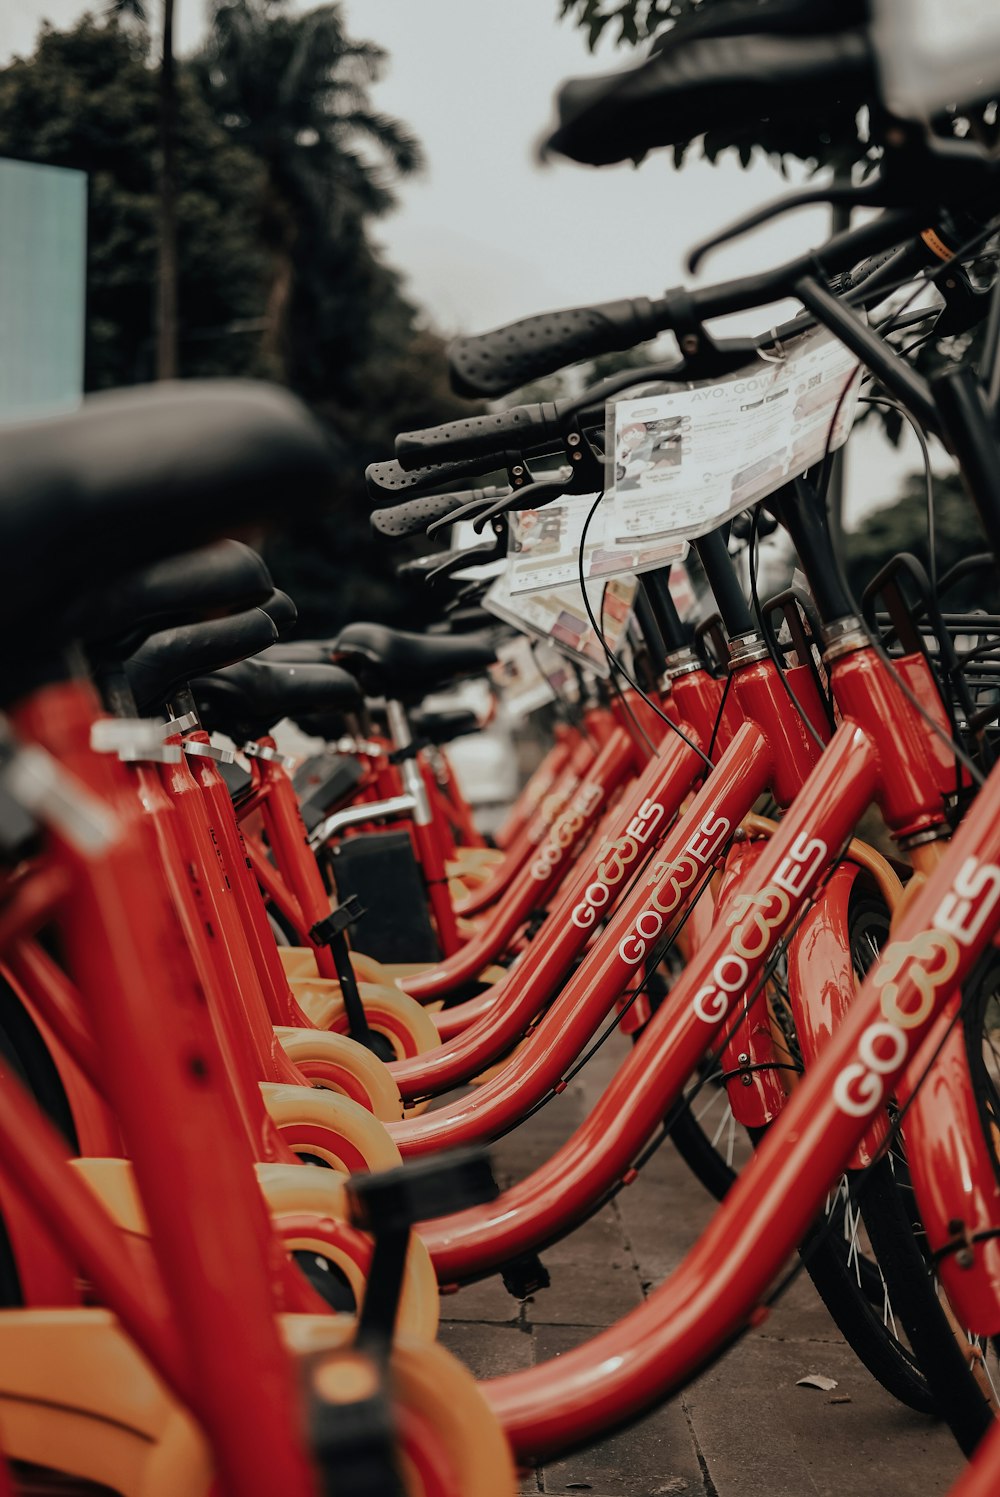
(705, 1133)
(981, 1024)
(930, 1353)
(860, 1254)
(971, 1410)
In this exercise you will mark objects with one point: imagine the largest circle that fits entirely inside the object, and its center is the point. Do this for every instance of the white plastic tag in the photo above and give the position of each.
(681, 463)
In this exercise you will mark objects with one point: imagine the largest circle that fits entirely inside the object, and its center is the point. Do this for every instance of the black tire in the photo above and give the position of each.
(868, 1219)
(707, 1156)
(848, 1281)
(928, 1367)
(946, 1359)
(981, 1026)
(966, 1407)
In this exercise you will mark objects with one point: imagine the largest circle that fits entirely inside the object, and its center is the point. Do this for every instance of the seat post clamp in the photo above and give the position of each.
(182, 724)
(255, 750)
(134, 740)
(209, 751)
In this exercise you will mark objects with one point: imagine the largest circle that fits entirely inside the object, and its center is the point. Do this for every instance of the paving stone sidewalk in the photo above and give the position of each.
(743, 1429)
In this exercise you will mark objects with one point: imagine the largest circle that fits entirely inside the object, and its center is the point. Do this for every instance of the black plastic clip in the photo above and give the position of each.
(408, 751)
(710, 640)
(964, 305)
(586, 463)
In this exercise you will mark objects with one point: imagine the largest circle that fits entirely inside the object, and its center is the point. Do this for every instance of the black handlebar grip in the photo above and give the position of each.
(471, 436)
(390, 479)
(414, 515)
(497, 362)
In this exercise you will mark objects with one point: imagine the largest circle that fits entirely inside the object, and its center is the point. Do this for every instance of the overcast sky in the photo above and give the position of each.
(485, 234)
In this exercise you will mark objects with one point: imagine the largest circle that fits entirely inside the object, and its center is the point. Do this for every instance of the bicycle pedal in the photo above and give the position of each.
(339, 920)
(393, 1200)
(524, 1276)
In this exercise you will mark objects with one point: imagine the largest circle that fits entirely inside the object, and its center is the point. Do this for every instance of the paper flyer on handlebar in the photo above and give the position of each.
(683, 462)
(518, 678)
(560, 617)
(544, 546)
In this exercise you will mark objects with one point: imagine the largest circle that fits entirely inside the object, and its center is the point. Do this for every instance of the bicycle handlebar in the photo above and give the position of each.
(390, 478)
(415, 515)
(473, 436)
(690, 84)
(497, 362)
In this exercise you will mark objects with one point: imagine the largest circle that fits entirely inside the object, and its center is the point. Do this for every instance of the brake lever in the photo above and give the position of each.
(474, 557)
(962, 302)
(520, 477)
(583, 473)
(917, 167)
(419, 566)
(586, 466)
(469, 511)
(869, 195)
(532, 495)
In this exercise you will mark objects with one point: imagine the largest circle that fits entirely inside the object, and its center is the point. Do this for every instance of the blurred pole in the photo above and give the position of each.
(840, 219)
(166, 191)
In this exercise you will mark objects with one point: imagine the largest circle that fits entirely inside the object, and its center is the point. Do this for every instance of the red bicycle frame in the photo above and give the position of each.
(218, 1345)
(630, 833)
(887, 757)
(522, 847)
(718, 1290)
(753, 759)
(539, 877)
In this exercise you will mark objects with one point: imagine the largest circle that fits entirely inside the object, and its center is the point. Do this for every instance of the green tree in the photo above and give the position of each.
(293, 89)
(281, 165)
(88, 99)
(903, 527)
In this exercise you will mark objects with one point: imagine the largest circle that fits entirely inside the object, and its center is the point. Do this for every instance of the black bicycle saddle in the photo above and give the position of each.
(245, 701)
(138, 475)
(403, 666)
(718, 70)
(226, 577)
(170, 659)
